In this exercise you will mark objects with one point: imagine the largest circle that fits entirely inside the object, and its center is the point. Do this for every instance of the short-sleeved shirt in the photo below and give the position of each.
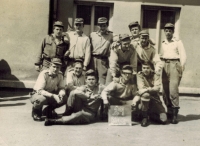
(46, 83)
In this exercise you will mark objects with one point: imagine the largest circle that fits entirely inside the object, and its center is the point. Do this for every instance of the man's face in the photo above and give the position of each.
(58, 31)
(79, 27)
(169, 33)
(91, 81)
(144, 39)
(146, 69)
(54, 68)
(102, 27)
(125, 45)
(78, 68)
(135, 31)
(126, 76)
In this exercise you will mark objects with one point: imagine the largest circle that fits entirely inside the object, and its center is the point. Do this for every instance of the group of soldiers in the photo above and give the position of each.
(88, 74)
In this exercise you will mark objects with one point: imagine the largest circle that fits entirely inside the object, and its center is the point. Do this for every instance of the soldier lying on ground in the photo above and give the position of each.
(82, 104)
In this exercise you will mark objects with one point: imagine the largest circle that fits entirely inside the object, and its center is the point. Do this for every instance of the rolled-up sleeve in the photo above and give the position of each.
(87, 52)
(113, 62)
(106, 92)
(182, 53)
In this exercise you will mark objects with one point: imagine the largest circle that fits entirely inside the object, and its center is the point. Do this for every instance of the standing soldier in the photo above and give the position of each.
(52, 46)
(79, 45)
(101, 41)
(174, 58)
(146, 53)
(120, 55)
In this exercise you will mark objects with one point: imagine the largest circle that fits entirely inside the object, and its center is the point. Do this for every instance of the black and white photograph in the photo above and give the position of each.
(99, 73)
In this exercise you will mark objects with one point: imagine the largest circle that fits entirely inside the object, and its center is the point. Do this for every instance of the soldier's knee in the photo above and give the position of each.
(145, 96)
(163, 117)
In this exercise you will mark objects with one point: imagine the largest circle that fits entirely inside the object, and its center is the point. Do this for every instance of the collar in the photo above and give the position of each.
(99, 33)
(120, 82)
(147, 47)
(80, 35)
(172, 40)
(51, 75)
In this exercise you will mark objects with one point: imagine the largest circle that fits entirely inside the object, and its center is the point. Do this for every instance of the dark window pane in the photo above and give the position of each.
(149, 18)
(167, 17)
(101, 11)
(84, 12)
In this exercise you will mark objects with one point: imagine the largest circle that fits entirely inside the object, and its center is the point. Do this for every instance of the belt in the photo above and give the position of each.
(169, 60)
(100, 57)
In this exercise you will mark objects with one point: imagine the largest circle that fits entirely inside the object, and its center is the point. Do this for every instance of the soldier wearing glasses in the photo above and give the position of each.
(101, 41)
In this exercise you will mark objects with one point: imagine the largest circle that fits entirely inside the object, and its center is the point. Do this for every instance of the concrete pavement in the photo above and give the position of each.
(18, 129)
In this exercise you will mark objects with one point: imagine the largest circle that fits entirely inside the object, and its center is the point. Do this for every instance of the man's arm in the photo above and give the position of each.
(39, 55)
(182, 53)
(113, 62)
(106, 92)
(157, 84)
(87, 53)
(61, 86)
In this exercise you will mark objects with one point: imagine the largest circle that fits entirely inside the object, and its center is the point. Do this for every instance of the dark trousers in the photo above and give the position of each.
(83, 110)
(171, 77)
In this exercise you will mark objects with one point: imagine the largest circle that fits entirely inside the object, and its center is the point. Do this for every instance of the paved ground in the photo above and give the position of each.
(18, 129)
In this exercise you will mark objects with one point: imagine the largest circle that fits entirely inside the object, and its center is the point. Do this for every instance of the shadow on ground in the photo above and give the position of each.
(14, 104)
(186, 118)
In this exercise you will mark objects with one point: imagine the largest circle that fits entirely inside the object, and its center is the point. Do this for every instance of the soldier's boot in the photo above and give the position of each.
(49, 122)
(169, 113)
(37, 114)
(104, 115)
(175, 115)
(145, 120)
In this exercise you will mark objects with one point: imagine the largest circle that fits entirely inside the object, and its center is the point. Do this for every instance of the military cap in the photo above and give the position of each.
(169, 25)
(90, 72)
(135, 23)
(79, 60)
(127, 69)
(56, 61)
(102, 20)
(144, 32)
(79, 20)
(58, 23)
(124, 37)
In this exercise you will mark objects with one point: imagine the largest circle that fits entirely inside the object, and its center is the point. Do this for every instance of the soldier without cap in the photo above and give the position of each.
(101, 41)
(52, 46)
(174, 59)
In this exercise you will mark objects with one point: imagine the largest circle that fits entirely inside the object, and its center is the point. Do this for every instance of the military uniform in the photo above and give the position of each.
(117, 93)
(117, 59)
(150, 104)
(72, 81)
(100, 51)
(45, 86)
(51, 49)
(81, 108)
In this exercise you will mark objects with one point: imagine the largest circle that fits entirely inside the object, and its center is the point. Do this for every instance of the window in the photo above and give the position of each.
(154, 19)
(91, 11)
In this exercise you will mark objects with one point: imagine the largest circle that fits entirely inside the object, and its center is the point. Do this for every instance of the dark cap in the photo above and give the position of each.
(90, 72)
(144, 32)
(79, 60)
(127, 69)
(58, 23)
(102, 20)
(79, 20)
(124, 37)
(56, 61)
(132, 24)
(169, 25)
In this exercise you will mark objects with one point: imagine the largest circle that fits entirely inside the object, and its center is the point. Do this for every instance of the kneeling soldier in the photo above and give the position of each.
(48, 90)
(82, 104)
(149, 86)
(120, 89)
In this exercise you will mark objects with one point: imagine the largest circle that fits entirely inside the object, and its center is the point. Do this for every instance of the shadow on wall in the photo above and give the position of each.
(10, 85)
